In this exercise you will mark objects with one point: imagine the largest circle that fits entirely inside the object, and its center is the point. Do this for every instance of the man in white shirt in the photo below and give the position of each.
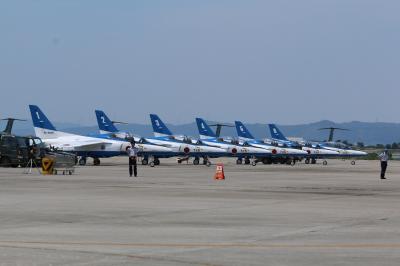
(384, 157)
(132, 153)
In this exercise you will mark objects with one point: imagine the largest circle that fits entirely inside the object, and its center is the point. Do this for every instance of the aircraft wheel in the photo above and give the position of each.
(325, 162)
(253, 163)
(152, 164)
(96, 161)
(145, 162)
(246, 161)
(196, 161)
(353, 162)
(239, 161)
(208, 163)
(307, 161)
(82, 161)
(156, 161)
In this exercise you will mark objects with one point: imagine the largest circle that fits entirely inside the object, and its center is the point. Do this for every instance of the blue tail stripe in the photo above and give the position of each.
(276, 133)
(242, 131)
(204, 129)
(104, 122)
(39, 119)
(158, 125)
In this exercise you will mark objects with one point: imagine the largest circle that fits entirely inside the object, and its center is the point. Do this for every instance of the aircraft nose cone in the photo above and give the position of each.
(301, 152)
(359, 153)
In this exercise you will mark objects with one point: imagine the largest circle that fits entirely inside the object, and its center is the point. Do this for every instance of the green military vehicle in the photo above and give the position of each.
(17, 150)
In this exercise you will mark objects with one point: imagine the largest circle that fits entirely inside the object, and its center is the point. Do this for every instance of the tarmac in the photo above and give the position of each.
(173, 214)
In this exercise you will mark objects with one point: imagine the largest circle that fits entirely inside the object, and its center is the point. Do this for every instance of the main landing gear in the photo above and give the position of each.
(153, 161)
(206, 161)
(82, 161)
(312, 161)
(96, 161)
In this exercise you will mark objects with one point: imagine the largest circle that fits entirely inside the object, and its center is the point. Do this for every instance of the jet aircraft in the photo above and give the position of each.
(84, 146)
(180, 146)
(247, 152)
(318, 149)
(280, 154)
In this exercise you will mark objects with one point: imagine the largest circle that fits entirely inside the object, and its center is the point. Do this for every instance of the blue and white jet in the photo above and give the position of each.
(107, 128)
(280, 154)
(234, 148)
(83, 146)
(317, 150)
(182, 144)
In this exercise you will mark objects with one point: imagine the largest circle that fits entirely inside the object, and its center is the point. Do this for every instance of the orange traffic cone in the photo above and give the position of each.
(219, 172)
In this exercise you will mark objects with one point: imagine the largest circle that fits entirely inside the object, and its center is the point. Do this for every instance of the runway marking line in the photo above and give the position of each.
(211, 245)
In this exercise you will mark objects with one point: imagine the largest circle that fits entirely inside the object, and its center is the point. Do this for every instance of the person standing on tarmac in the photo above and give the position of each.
(132, 153)
(383, 157)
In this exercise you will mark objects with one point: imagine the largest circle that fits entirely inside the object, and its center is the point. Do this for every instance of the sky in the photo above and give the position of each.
(287, 62)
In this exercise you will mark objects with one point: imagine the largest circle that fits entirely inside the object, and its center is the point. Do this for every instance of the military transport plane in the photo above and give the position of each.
(321, 148)
(83, 146)
(207, 136)
(183, 144)
(281, 155)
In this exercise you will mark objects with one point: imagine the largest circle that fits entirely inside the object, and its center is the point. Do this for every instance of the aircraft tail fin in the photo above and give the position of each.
(159, 128)
(242, 131)
(204, 130)
(276, 133)
(43, 127)
(104, 123)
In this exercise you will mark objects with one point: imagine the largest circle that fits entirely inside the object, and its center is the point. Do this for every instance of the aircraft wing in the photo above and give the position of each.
(89, 145)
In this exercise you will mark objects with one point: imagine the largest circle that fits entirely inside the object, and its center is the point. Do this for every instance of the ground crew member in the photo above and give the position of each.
(384, 157)
(132, 153)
